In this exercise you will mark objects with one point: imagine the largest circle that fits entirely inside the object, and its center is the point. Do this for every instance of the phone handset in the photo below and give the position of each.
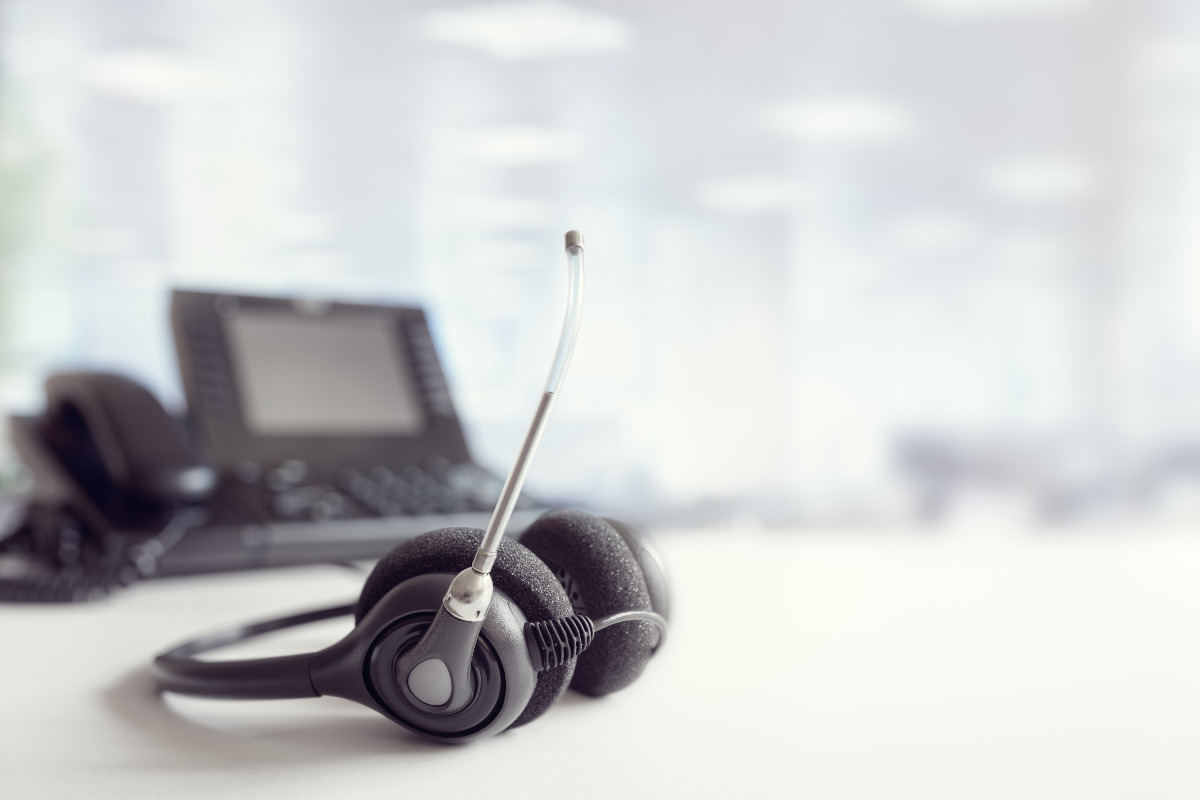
(137, 449)
(120, 485)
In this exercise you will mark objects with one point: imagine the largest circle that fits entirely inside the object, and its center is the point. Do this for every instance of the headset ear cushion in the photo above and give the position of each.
(602, 577)
(517, 573)
(651, 564)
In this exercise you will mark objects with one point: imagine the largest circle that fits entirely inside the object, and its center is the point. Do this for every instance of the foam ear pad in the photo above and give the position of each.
(517, 572)
(651, 563)
(602, 577)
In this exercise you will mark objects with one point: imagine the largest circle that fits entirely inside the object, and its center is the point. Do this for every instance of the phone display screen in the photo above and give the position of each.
(315, 375)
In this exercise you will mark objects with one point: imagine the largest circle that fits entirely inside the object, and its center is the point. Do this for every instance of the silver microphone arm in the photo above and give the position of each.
(470, 592)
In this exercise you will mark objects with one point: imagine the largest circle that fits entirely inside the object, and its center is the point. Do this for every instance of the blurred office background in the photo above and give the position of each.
(851, 261)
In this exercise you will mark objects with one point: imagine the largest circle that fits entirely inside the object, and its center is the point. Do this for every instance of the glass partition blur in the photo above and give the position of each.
(851, 261)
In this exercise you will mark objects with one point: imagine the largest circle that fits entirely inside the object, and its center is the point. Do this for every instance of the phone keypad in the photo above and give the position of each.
(294, 492)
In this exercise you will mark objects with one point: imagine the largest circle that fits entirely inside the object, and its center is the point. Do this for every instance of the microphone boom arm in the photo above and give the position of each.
(471, 591)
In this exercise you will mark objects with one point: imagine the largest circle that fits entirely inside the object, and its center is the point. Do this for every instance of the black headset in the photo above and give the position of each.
(458, 654)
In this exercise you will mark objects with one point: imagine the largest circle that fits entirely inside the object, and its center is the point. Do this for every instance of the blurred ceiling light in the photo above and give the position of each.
(842, 120)
(524, 30)
(153, 75)
(1165, 59)
(755, 195)
(513, 145)
(1032, 250)
(930, 232)
(1053, 179)
(502, 212)
(993, 8)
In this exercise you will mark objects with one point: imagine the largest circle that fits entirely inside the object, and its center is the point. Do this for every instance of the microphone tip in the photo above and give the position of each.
(574, 239)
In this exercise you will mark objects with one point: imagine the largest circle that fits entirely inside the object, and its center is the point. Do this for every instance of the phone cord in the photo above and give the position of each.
(72, 581)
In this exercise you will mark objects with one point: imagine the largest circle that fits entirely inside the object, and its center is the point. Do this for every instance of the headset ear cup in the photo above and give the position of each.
(517, 573)
(651, 563)
(602, 577)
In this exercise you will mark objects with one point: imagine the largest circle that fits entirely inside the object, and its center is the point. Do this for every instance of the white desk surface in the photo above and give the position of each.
(868, 666)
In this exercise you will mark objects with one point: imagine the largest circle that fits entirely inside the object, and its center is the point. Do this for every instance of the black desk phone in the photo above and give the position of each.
(316, 431)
